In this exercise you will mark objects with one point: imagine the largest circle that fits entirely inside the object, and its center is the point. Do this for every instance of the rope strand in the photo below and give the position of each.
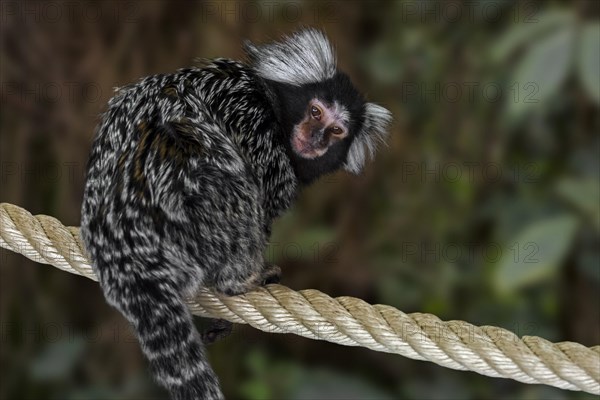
(349, 321)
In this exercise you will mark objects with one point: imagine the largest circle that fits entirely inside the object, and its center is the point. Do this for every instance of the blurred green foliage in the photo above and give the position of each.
(485, 205)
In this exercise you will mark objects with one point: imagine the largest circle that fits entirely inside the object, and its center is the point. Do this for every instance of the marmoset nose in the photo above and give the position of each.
(318, 136)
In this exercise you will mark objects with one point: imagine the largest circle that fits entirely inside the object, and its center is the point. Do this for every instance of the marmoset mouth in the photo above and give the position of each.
(306, 149)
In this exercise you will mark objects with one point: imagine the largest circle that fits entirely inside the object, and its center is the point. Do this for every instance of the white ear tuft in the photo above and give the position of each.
(304, 57)
(373, 132)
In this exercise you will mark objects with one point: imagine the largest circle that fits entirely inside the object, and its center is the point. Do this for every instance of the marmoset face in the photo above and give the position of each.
(324, 124)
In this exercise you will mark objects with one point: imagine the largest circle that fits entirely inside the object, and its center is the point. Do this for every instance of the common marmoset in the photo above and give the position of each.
(187, 173)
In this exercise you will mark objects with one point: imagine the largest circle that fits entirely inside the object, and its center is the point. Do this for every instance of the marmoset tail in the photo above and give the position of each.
(187, 173)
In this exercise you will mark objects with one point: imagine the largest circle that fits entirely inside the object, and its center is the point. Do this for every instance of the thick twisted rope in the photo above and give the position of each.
(487, 350)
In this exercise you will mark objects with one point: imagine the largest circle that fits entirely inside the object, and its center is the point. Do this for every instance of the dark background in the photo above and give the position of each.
(484, 207)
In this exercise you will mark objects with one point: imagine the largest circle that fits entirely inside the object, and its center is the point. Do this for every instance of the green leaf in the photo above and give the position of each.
(522, 34)
(384, 63)
(588, 62)
(583, 194)
(256, 387)
(58, 359)
(541, 72)
(588, 261)
(536, 252)
(255, 390)
(326, 384)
